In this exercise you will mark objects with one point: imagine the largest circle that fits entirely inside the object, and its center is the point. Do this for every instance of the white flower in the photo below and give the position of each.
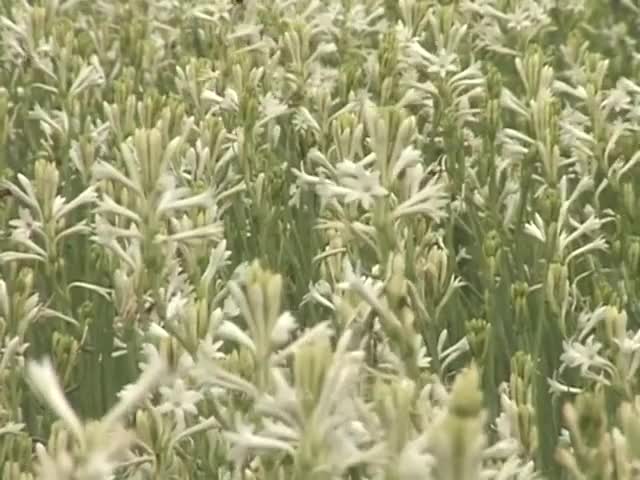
(319, 293)
(230, 331)
(284, 326)
(303, 121)
(431, 200)
(442, 63)
(244, 439)
(179, 400)
(363, 186)
(176, 307)
(355, 184)
(228, 102)
(617, 100)
(271, 107)
(557, 388)
(586, 357)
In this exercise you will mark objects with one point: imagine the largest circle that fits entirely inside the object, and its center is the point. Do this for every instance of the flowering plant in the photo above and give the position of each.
(319, 239)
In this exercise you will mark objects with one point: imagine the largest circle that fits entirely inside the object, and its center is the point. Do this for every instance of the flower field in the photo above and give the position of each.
(319, 239)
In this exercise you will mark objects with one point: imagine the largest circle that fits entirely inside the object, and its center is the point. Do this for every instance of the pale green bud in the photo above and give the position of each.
(65, 355)
(494, 83)
(549, 204)
(493, 118)
(47, 179)
(437, 272)
(170, 350)
(25, 281)
(387, 89)
(530, 70)
(519, 294)
(310, 368)
(557, 286)
(491, 248)
(125, 198)
(145, 427)
(522, 373)
(629, 199)
(203, 319)
(466, 397)
(458, 439)
(615, 323)
(477, 332)
(396, 287)
(527, 428)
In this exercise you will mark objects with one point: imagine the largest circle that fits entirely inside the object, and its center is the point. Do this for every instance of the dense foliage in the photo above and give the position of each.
(319, 239)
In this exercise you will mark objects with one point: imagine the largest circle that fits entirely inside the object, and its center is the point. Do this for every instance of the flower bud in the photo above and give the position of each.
(477, 332)
(170, 350)
(528, 431)
(519, 294)
(557, 286)
(396, 287)
(466, 398)
(522, 374)
(189, 327)
(388, 54)
(493, 119)
(47, 179)
(531, 70)
(65, 355)
(25, 282)
(549, 204)
(629, 199)
(436, 273)
(145, 427)
(126, 200)
(387, 89)
(5, 303)
(203, 318)
(310, 368)
(615, 324)
(129, 118)
(491, 244)
(494, 83)
(458, 439)
(555, 110)
(491, 248)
